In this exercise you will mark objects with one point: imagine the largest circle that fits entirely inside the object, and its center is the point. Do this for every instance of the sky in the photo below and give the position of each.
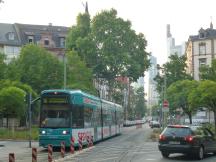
(149, 17)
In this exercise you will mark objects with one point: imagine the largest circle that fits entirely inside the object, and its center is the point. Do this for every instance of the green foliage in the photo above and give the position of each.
(109, 46)
(155, 110)
(78, 75)
(172, 71)
(12, 102)
(178, 96)
(140, 106)
(39, 68)
(204, 96)
(119, 51)
(13, 72)
(3, 66)
(208, 72)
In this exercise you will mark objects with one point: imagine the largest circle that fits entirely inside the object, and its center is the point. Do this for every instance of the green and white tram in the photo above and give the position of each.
(73, 113)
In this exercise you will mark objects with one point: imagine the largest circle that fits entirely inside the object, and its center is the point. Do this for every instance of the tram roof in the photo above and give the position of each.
(71, 91)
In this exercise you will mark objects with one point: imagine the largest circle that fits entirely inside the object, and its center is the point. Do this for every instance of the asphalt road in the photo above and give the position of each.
(132, 146)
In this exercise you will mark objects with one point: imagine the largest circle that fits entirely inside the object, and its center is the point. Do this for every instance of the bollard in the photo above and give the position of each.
(34, 154)
(80, 143)
(62, 149)
(11, 157)
(91, 141)
(88, 141)
(72, 145)
(50, 150)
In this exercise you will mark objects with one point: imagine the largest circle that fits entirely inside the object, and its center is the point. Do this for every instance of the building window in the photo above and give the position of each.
(62, 42)
(30, 39)
(11, 36)
(46, 42)
(202, 62)
(202, 49)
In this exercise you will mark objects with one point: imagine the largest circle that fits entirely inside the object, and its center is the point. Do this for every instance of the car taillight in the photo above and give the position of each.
(189, 138)
(162, 137)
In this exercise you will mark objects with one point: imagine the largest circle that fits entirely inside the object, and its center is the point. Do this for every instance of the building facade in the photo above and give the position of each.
(200, 50)
(10, 43)
(14, 36)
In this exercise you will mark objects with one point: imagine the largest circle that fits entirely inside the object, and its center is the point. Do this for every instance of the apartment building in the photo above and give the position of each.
(200, 50)
(14, 36)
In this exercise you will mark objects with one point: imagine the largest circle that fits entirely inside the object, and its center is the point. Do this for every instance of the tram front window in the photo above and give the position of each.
(54, 117)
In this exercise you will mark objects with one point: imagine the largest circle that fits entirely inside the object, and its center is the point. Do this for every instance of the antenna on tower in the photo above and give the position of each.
(211, 25)
(85, 5)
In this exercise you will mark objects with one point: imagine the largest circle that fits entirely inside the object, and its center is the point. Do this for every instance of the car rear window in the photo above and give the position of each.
(177, 131)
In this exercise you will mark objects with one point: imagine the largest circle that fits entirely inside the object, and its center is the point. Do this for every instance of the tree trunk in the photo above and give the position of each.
(214, 121)
(190, 117)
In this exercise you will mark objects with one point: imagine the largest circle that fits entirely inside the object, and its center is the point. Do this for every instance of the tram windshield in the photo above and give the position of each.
(55, 113)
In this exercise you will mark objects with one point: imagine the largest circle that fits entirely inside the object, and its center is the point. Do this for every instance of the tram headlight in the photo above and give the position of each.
(65, 132)
(43, 132)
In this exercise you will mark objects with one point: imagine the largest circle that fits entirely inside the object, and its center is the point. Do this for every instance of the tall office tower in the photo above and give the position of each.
(152, 93)
(171, 47)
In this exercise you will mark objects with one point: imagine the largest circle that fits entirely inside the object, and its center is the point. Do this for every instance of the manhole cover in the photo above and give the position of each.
(1, 145)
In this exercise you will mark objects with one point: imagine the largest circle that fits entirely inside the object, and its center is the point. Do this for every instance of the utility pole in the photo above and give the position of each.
(30, 116)
(65, 72)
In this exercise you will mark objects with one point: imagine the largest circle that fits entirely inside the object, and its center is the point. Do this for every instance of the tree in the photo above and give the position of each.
(178, 96)
(109, 47)
(13, 73)
(27, 89)
(140, 106)
(39, 68)
(79, 39)
(80, 77)
(3, 66)
(208, 72)
(12, 102)
(204, 96)
(119, 50)
(172, 71)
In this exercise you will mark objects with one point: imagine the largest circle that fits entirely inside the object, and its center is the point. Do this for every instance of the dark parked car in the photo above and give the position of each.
(190, 140)
(154, 124)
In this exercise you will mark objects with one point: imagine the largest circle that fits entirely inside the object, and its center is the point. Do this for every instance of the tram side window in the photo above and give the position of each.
(77, 117)
(88, 122)
(113, 117)
(107, 118)
(96, 117)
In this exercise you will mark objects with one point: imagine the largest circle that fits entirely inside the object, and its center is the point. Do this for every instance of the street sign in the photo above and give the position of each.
(165, 106)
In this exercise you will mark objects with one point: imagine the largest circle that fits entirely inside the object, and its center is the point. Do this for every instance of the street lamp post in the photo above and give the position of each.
(65, 71)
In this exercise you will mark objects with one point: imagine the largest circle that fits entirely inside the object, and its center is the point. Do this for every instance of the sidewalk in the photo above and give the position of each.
(17, 147)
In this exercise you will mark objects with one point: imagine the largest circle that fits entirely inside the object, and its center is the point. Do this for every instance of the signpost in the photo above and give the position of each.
(165, 106)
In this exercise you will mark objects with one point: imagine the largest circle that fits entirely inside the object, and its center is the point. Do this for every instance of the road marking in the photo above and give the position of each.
(146, 152)
(106, 159)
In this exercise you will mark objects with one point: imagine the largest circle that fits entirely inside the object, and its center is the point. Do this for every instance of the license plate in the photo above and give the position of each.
(174, 142)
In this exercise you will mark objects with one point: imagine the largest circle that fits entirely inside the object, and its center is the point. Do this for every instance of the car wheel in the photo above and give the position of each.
(200, 153)
(165, 154)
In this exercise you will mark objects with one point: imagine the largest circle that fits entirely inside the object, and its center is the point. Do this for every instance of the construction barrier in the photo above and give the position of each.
(34, 154)
(72, 145)
(50, 151)
(88, 141)
(11, 157)
(80, 143)
(62, 149)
